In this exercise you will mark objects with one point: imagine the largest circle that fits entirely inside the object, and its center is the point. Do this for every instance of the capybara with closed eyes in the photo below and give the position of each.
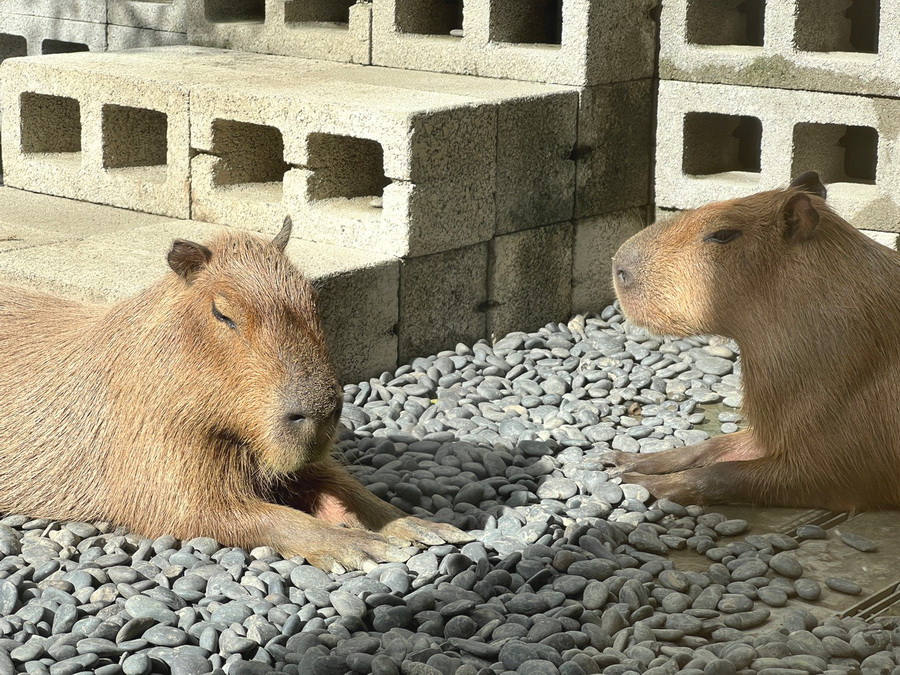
(204, 406)
(814, 305)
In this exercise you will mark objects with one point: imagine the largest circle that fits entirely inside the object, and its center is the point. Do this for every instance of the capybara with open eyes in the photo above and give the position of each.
(814, 305)
(204, 406)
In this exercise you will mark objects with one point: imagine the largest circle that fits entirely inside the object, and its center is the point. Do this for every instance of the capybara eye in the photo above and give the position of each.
(221, 317)
(723, 236)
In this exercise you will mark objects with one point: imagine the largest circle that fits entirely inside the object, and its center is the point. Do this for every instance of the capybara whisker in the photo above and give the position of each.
(204, 406)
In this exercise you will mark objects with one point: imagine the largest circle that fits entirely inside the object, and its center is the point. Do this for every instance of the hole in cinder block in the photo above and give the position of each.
(62, 47)
(318, 11)
(249, 154)
(716, 143)
(429, 17)
(49, 124)
(345, 167)
(726, 22)
(840, 153)
(12, 46)
(837, 26)
(134, 137)
(527, 21)
(235, 11)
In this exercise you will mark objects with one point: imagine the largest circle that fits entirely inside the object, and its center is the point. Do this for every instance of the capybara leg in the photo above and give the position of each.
(762, 482)
(738, 446)
(328, 492)
(292, 533)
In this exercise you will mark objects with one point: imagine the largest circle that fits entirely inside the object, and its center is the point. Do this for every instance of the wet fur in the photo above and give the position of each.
(815, 308)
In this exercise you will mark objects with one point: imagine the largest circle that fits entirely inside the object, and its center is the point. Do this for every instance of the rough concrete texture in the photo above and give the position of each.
(334, 30)
(443, 299)
(833, 45)
(30, 35)
(596, 241)
(129, 37)
(97, 127)
(889, 239)
(93, 11)
(721, 141)
(530, 278)
(536, 132)
(99, 253)
(615, 147)
(162, 15)
(576, 42)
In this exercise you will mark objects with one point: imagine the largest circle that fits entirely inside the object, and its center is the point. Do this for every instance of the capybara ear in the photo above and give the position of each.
(800, 217)
(281, 239)
(187, 258)
(809, 181)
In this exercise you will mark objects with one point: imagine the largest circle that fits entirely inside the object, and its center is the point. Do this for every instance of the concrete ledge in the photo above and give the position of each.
(334, 30)
(793, 44)
(720, 141)
(576, 42)
(98, 253)
(129, 37)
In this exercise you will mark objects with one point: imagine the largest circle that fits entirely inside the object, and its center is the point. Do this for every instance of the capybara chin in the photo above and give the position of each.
(815, 307)
(204, 406)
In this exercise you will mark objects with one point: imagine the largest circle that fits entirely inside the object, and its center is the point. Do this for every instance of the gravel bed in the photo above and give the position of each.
(569, 573)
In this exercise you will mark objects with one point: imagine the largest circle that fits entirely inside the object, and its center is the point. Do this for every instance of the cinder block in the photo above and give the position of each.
(334, 30)
(99, 127)
(575, 42)
(615, 147)
(530, 278)
(31, 35)
(162, 15)
(720, 141)
(93, 11)
(831, 45)
(536, 134)
(99, 253)
(443, 300)
(596, 241)
(129, 37)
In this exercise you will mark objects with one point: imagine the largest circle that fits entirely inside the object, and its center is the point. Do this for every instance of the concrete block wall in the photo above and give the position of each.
(471, 191)
(754, 93)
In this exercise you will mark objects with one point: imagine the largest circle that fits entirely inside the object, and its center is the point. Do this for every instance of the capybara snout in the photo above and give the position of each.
(206, 405)
(814, 305)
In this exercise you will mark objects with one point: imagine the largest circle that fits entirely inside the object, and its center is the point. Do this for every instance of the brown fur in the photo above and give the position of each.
(815, 307)
(154, 414)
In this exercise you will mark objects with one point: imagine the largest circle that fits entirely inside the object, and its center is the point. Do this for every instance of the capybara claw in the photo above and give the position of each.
(425, 532)
(669, 486)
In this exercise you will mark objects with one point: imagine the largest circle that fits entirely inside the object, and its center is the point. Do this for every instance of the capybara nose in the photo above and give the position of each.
(622, 276)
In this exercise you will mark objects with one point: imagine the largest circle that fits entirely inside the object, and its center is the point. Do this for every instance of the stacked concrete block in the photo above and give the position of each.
(335, 30)
(88, 127)
(576, 42)
(722, 141)
(833, 45)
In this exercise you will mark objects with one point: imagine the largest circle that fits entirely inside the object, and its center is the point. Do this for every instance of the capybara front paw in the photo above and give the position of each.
(420, 531)
(619, 462)
(671, 486)
(355, 549)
